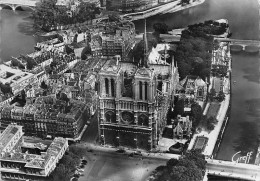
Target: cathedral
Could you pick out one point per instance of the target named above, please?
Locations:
(134, 100)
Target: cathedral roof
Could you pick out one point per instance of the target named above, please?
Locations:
(110, 67)
(144, 72)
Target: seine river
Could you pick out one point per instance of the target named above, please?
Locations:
(243, 15)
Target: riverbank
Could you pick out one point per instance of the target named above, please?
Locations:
(180, 7)
(212, 136)
(170, 7)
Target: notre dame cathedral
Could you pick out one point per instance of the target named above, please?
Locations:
(134, 100)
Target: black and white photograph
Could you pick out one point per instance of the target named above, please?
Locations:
(129, 90)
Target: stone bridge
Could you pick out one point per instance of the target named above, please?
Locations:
(236, 45)
(14, 4)
(233, 170)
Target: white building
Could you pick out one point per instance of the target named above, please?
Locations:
(19, 165)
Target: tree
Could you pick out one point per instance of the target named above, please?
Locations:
(210, 127)
(161, 173)
(190, 173)
(87, 11)
(113, 17)
(196, 113)
(197, 157)
(190, 167)
(68, 161)
(212, 94)
(63, 96)
(48, 15)
(171, 163)
(203, 121)
(61, 173)
(161, 28)
(211, 122)
(45, 14)
(78, 151)
(16, 63)
(5, 88)
(221, 96)
(179, 107)
(43, 85)
(30, 62)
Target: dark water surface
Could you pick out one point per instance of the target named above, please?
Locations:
(16, 32)
(243, 15)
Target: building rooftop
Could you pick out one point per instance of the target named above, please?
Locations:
(11, 75)
(34, 160)
(7, 135)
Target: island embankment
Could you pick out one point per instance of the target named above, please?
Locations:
(169, 7)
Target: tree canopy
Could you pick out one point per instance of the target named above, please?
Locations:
(193, 53)
(179, 108)
(221, 96)
(43, 85)
(48, 15)
(45, 14)
(196, 113)
(5, 88)
(161, 28)
(212, 94)
(67, 164)
(190, 167)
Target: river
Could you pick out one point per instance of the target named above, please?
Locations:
(16, 34)
(243, 15)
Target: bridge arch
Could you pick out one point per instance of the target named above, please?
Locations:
(236, 48)
(24, 8)
(6, 6)
(251, 49)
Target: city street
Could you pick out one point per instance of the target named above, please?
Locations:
(91, 133)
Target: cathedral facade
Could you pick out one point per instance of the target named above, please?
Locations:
(133, 102)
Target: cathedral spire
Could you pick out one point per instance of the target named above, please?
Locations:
(145, 39)
(145, 61)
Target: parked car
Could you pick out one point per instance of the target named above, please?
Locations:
(84, 162)
(138, 153)
(81, 170)
(131, 155)
(76, 175)
(120, 151)
(74, 179)
(177, 148)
